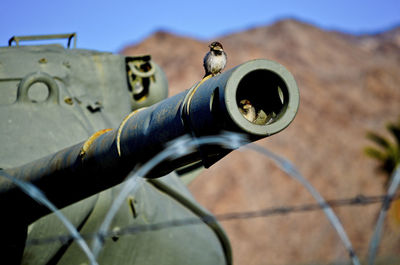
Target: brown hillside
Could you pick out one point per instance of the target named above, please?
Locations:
(348, 85)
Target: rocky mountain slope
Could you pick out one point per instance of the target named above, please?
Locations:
(348, 85)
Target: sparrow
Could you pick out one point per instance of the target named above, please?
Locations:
(215, 60)
(257, 117)
(247, 110)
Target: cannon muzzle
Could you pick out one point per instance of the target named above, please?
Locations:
(213, 105)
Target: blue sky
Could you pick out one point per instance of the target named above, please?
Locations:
(109, 25)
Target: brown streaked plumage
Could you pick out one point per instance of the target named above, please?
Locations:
(215, 60)
(247, 110)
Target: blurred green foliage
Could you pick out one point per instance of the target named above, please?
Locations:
(387, 150)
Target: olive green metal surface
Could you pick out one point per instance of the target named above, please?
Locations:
(64, 128)
(52, 98)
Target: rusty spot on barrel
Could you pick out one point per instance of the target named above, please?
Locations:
(90, 140)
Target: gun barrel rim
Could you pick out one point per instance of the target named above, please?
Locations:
(289, 107)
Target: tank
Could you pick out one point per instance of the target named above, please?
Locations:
(75, 123)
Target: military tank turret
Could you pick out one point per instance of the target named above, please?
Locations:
(76, 122)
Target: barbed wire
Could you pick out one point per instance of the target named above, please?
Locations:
(359, 200)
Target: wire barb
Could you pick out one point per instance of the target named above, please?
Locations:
(359, 200)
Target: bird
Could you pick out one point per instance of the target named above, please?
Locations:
(215, 60)
(247, 110)
(257, 117)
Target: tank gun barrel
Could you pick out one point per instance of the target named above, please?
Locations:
(106, 158)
